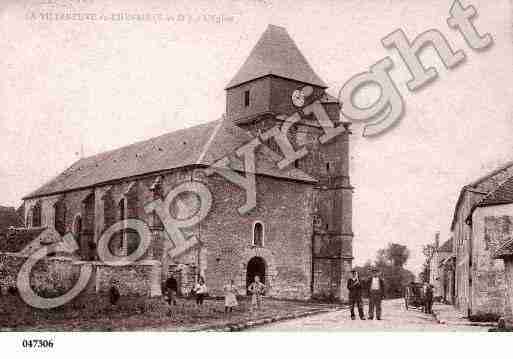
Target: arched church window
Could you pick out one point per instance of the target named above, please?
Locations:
(258, 234)
(88, 213)
(36, 215)
(118, 242)
(246, 98)
(130, 201)
(109, 211)
(121, 209)
(77, 225)
(131, 206)
(60, 217)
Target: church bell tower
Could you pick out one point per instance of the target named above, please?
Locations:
(262, 95)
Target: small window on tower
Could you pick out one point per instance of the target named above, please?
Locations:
(246, 98)
(327, 166)
(258, 234)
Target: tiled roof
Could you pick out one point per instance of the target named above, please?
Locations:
(491, 174)
(501, 195)
(447, 246)
(199, 145)
(9, 217)
(477, 187)
(276, 54)
(505, 250)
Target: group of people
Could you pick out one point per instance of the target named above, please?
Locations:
(256, 290)
(376, 289)
(375, 286)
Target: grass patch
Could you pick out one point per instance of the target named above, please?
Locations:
(96, 313)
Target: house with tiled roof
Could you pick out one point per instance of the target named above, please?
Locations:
(479, 278)
(491, 220)
(298, 237)
(437, 275)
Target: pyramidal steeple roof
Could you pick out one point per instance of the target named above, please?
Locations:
(276, 54)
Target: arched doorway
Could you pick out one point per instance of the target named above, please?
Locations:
(256, 266)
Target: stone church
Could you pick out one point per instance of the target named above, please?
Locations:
(298, 238)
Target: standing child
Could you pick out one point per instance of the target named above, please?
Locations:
(257, 290)
(230, 296)
(201, 291)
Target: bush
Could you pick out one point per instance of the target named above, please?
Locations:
(484, 317)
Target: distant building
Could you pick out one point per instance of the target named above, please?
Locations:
(446, 272)
(433, 264)
(437, 270)
(479, 278)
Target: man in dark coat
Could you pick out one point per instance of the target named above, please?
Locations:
(428, 298)
(171, 290)
(376, 294)
(355, 294)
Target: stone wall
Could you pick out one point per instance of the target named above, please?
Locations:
(462, 234)
(490, 225)
(51, 276)
(508, 310)
(185, 275)
(285, 210)
(55, 276)
(134, 279)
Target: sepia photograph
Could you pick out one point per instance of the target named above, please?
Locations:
(174, 168)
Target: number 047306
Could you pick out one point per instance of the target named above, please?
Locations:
(37, 343)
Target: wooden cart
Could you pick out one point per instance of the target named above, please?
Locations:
(413, 296)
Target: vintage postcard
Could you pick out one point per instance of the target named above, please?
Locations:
(255, 166)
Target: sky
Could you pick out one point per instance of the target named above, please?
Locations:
(79, 87)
